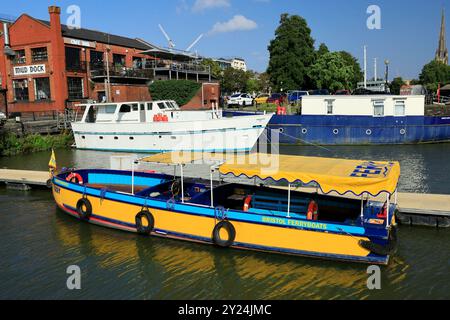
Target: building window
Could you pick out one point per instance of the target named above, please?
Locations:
(73, 60)
(119, 60)
(20, 58)
(330, 105)
(42, 88)
(21, 90)
(400, 108)
(75, 88)
(39, 54)
(378, 108)
(96, 60)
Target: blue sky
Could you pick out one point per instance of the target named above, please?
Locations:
(408, 36)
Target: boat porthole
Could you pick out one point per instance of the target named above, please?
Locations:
(369, 132)
(304, 131)
(402, 132)
(101, 138)
(131, 138)
(281, 130)
(160, 137)
(116, 138)
(335, 131)
(83, 137)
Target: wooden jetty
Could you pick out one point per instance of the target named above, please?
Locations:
(23, 179)
(414, 209)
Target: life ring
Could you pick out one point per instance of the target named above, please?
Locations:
(224, 243)
(84, 209)
(175, 188)
(247, 203)
(313, 211)
(75, 178)
(148, 228)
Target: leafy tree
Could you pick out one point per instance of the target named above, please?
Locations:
(182, 91)
(264, 82)
(234, 80)
(396, 85)
(434, 73)
(291, 54)
(331, 72)
(323, 49)
(350, 60)
(216, 70)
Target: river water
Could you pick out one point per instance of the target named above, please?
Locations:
(39, 242)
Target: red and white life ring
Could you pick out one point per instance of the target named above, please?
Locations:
(75, 178)
(247, 203)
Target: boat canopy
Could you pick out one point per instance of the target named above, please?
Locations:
(331, 175)
(184, 157)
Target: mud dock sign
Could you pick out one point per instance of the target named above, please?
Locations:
(26, 70)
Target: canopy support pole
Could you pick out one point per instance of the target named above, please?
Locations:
(396, 196)
(182, 183)
(132, 177)
(289, 202)
(362, 207)
(387, 209)
(212, 186)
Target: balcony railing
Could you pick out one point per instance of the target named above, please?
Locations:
(148, 71)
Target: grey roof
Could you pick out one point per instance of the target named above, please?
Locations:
(103, 37)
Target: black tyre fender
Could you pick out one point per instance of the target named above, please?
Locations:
(141, 229)
(84, 209)
(49, 184)
(224, 243)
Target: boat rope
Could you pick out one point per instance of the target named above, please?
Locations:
(306, 142)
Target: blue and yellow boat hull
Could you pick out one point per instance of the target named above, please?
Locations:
(184, 221)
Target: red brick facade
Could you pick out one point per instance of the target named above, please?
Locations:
(27, 34)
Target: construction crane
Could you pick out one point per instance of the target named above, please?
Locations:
(195, 42)
(169, 40)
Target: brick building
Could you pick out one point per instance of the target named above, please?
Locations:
(47, 66)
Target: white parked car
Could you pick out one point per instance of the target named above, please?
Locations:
(240, 99)
(2, 116)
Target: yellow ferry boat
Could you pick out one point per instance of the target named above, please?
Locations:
(244, 216)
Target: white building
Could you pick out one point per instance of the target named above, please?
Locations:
(235, 63)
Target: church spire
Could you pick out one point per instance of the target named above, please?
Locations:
(442, 52)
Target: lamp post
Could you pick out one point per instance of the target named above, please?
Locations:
(386, 62)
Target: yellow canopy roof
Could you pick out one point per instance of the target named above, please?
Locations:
(183, 157)
(342, 176)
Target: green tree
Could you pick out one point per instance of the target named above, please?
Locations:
(234, 80)
(396, 85)
(323, 49)
(350, 60)
(291, 54)
(331, 72)
(264, 82)
(434, 73)
(216, 70)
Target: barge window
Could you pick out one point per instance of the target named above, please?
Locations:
(39, 54)
(399, 108)
(330, 105)
(149, 106)
(378, 108)
(161, 105)
(42, 88)
(21, 90)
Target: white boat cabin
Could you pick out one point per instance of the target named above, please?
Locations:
(367, 105)
(143, 112)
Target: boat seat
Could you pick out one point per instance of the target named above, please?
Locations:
(278, 204)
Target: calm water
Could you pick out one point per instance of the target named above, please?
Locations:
(38, 243)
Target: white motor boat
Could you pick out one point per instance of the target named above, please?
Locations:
(160, 126)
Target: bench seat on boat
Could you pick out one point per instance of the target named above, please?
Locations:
(278, 204)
